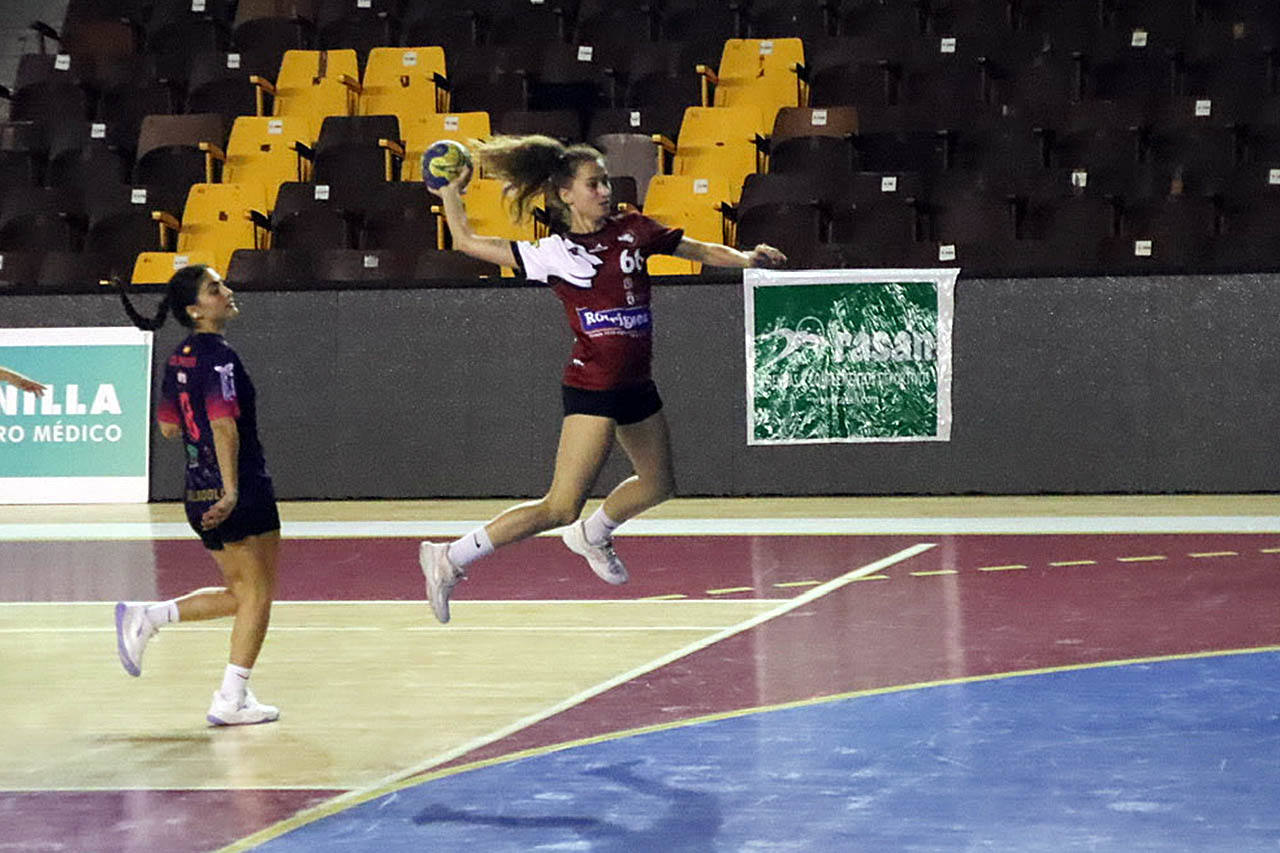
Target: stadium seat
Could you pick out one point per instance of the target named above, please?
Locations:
(694, 204)
(764, 73)
(83, 153)
(404, 82)
(628, 155)
(814, 140)
(419, 135)
(263, 30)
(721, 142)
(312, 216)
(264, 151)
(169, 148)
(42, 219)
(219, 83)
(176, 31)
(795, 228)
(216, 220)
(23, 152)
(399, 217)
(313, 84)
(121, 223)
(357, 154)
(564, 125)
(359, 25)
(48, 89)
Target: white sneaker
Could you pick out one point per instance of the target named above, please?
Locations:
(604, 561)
(133, 630)
(250, 712)
(441, 574)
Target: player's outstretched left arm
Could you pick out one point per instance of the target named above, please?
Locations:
(717, 255)
(13, 377)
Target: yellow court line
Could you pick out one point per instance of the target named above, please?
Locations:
(671, 597)
(934, 573)
(1215, 554)
(1000, 568)
(790, 584)
(730, 589)
(1269, 550)
(1150, 559)
(1075, 563)
(873, 578)
(342, 803)
(410, 775)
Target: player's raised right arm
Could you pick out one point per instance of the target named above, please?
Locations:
(495, 250)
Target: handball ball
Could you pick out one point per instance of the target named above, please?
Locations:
(443, 161)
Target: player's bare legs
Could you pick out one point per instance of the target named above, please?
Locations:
(648, 446)
(585, 442)
(249, 567)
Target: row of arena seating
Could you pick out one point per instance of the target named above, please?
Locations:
(1033, 131)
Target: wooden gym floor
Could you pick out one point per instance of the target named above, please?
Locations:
(1093, 673)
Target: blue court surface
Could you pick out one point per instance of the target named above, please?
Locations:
(1171, 755)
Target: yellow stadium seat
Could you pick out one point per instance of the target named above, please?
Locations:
(487, 211)
(717, 141)
(424, 130)
(313, 84)
(263, 150)
(158, 267)
(691, 203)
(759, 72)
(215, 222)
(402, 81)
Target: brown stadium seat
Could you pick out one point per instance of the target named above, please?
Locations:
(169, 148)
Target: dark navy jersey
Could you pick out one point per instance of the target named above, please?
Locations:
(603, 284)
(203, 381)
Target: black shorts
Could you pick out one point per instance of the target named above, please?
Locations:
(255, 513)
(627, 405)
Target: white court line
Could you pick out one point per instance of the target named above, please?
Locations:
(421, 603)
(351, 798)
(909, 526)
(456, 629)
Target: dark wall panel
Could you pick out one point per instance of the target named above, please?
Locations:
(1060, 385)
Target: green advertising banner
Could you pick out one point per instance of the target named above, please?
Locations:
(86, 439)
(848, 355)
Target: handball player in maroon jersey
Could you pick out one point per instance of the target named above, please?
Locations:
(594, 261)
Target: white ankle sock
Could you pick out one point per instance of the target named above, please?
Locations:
(162, 613)
(470, 548)
(599, 527)
(235, 680)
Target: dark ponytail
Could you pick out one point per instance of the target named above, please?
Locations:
(182, 290)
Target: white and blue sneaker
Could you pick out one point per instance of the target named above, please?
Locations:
(604, 561)
(249, 712)
(133, 630)
(441, 576)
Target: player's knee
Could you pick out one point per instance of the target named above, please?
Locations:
(557, 512)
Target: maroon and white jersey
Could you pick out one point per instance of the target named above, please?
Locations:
(602, 281)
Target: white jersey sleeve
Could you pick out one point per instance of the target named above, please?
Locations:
(559, 257)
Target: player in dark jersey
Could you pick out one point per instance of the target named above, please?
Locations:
(595, 263)
(208, 400)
